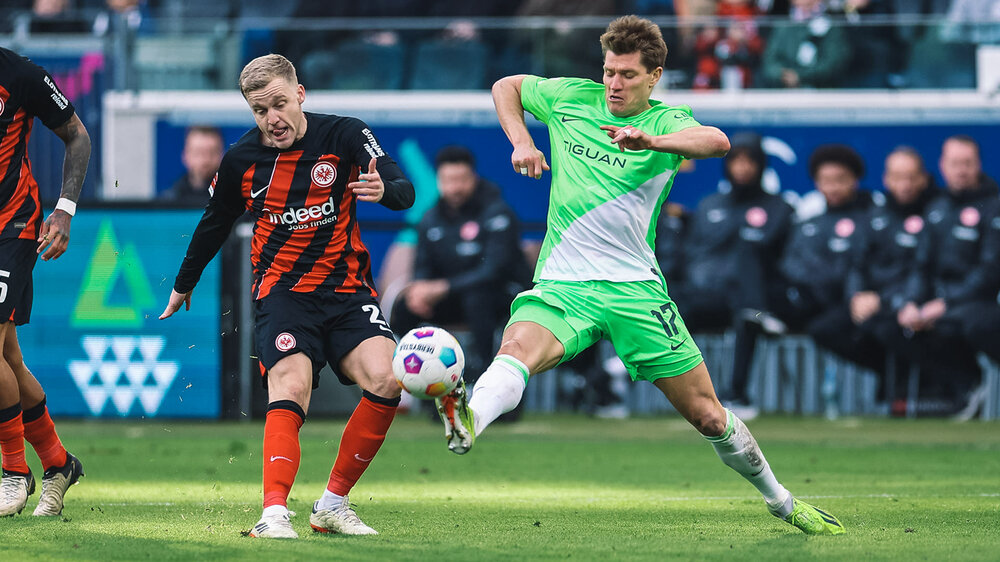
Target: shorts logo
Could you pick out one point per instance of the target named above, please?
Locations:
(284, 341)
(324, 174)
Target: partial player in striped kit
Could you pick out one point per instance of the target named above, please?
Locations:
(28, 91)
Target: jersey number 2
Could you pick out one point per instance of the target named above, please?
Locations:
(374, 317)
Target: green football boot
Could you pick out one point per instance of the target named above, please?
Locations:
(812, 520)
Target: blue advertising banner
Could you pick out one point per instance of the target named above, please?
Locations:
(94, 340)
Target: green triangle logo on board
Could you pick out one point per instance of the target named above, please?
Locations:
(111, 265)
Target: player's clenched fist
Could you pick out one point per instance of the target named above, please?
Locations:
(529, 161)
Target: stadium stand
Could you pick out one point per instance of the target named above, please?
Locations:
(449, 65)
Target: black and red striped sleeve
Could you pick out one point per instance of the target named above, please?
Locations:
(43, 98)
(224, 208)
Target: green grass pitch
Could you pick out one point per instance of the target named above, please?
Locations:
(547, 488)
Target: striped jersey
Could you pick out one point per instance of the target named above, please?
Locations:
(305, 232)
(26, 91)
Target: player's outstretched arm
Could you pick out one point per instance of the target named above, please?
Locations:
(54, 235)
(175, 302)
(526, 159)
(694, 142)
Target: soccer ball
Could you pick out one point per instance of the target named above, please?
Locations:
(428, 362)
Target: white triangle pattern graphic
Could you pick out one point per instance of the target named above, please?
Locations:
(135, 369)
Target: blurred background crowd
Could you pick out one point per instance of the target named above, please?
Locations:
(454, 44)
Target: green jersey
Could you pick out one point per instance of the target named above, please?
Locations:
(604, 203)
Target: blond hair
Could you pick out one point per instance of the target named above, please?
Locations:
(260, 71)
(630, 34)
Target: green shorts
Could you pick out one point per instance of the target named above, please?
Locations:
(637, 317)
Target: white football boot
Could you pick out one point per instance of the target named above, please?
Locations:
(14, 491)
(340, 519)
(55, 482)
(459, 423)
(278, 526)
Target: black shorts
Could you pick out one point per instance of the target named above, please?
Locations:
(323, 324)
(17, 261)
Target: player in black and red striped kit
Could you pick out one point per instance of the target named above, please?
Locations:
(27, 91)
(300, 176)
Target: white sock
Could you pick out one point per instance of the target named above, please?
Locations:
(329, 500)
(275, 510)
(738, 449)
(498, 390)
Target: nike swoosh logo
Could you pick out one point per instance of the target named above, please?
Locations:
(568, 119)
(678, 346)
(276, 457)
(254, 194)
(357, 456)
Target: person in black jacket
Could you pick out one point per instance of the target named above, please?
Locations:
(730, 236)
(202, 155)
(815, 260)
(877, 282)
(955, 280)
(469, 263)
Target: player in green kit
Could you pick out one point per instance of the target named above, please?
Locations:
(615, 153)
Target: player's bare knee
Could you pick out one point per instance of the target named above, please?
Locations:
(511, 347)
(384, 386)
(286, 386)
(709, 421)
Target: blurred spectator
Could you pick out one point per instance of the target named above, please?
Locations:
(566, 50)
(731, 236)
(671, 230)
(807, 51)
(202, 154)
(956, 277)
(132, 15)
(880, 53)
(56, 16)
(877, 285)
(815, 261)
(728, 57)
(469, 263)
(973, 21)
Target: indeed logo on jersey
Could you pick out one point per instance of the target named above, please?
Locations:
(305, 217)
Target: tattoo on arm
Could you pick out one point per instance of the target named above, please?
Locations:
(77, 141)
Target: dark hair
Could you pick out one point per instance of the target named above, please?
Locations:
(630, 34)
(912, 153)
(836, 154)
(964, 139)
(205, 130)
(455, 154)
